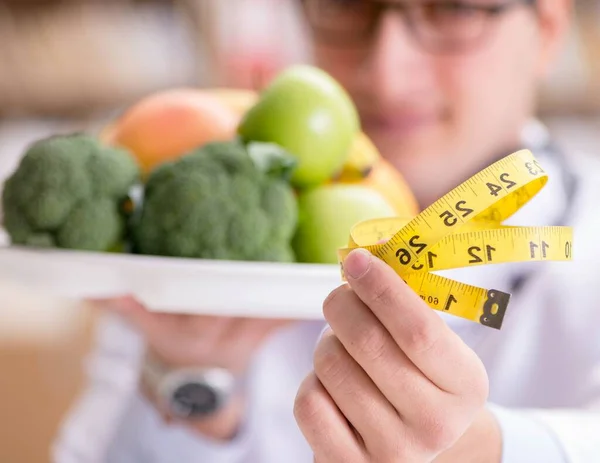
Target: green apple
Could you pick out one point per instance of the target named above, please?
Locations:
(307, 112)
(326, 216)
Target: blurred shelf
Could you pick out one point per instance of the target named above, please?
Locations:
(66, 60)
(574, 84)
(76, 60)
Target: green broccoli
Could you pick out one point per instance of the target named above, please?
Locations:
(69, 191)
(224, 200)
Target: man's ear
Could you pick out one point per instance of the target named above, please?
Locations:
(554, 17)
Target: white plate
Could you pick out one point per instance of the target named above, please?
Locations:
(251, 289)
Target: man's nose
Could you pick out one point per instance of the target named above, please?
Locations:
(396, 67)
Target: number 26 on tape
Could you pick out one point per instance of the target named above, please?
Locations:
(403, 255)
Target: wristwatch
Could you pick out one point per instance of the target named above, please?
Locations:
(189, 393)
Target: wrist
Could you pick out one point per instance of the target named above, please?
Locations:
(223, 425)
(207, 400)
(481, 442)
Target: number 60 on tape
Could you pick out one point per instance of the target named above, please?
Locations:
(463, 229)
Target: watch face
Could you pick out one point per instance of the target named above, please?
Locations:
(194, 399)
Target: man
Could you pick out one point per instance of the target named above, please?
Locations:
(444, 88)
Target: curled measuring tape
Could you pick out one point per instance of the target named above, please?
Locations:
(463, 229)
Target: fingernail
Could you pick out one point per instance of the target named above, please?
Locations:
(357, 263)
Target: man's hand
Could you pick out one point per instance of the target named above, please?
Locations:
(195, 340)
(391, 381)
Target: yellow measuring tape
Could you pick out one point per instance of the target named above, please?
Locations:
(463, 229)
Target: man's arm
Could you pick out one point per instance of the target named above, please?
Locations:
(113, 421)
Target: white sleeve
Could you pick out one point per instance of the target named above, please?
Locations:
(548, 435)
(112, 423)
(143, 436)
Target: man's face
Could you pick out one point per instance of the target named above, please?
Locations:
(439, 117)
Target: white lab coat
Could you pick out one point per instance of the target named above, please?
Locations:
(544, 365)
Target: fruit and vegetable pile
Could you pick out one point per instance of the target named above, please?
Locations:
(280, 175)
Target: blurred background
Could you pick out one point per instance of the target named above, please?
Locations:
(73, 64)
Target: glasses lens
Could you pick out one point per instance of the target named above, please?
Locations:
(343, 22)
(449, 24)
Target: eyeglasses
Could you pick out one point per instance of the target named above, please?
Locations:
(439, 26)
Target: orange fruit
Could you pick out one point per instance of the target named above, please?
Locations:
(167, 124)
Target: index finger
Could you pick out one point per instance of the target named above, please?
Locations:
(421, 333)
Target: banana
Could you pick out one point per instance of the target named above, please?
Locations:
(362, 157)
(367, 167)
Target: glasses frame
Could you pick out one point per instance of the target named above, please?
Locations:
(406, 9)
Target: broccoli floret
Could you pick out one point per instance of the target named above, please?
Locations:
(68, 191)
(223, 200)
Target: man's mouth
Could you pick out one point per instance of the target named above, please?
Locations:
(400, 123)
